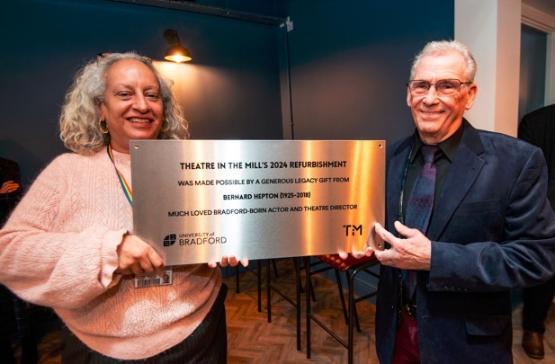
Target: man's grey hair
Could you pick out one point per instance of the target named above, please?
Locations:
(79, 119)
(446, 46)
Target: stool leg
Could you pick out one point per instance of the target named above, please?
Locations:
(274, 265)
(308, 287)
(268, 290)
(237, 279)
(350, 342)
(341, 297)
(357, 322)
(259, 284)
(311, 290)
(298, 300)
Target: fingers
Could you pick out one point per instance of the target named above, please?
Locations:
(385, 256)
(137, 257)
(411, 251)
(12, 187)
(358, 253)
(9, 187)
(124, 272)
(386, 235)
(225, 261)
(155, 259)
(343, 254)
(367, 252)
(404, 230)
(245, 261)
(137, 269)
(231, 261)
(151, 261)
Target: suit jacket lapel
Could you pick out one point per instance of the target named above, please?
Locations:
(466, 166)
(396, 169)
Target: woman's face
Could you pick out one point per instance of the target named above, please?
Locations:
(132, 105)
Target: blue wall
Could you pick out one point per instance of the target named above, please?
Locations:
(351, 62)
(231, 90)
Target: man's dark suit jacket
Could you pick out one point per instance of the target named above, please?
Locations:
(493, 229)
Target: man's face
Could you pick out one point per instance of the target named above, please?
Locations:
(437, 116)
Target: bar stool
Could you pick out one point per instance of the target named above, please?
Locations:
(258, 274)
(295, 303)
(271, 287)
(352, 267)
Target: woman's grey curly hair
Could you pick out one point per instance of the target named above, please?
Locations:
(80, 121)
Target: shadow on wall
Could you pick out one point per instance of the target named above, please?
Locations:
(227, 110)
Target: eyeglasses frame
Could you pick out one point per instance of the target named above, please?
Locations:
(433, 84)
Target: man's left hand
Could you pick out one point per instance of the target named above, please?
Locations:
(412, 251)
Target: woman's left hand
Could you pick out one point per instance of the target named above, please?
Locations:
(231, 261)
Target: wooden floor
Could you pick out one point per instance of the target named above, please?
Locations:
(251, 339)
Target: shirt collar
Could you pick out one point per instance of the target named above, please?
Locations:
(448, 147)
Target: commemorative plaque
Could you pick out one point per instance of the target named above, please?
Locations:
(198, 200)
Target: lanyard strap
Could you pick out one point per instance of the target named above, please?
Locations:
(124, 185)
(401, 216)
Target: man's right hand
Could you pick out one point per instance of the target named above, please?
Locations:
(137, 257)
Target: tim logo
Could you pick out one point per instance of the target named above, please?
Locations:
(170, 239)
(352, 229)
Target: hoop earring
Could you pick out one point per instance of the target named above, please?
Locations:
(103, 126)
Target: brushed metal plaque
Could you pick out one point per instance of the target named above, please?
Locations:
(198, 200)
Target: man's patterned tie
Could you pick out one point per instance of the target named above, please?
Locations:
(419, 206)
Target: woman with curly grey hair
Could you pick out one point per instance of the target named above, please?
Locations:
(69, 244)
(82, 128)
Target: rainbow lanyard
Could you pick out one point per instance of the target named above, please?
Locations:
(124, 185)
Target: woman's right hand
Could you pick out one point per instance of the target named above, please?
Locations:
(137, 257)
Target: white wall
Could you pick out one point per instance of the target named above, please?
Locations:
(491, 28)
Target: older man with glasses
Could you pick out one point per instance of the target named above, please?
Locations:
(467, 221)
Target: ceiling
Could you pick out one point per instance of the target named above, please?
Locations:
(547, 6)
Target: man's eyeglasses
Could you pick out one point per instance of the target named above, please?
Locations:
(447, 87)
